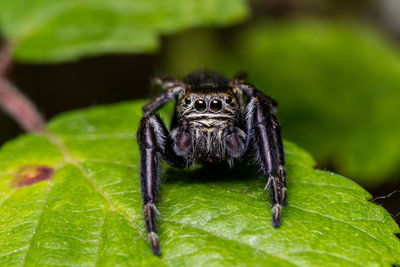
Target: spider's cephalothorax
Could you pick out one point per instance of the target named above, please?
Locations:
(212, 123)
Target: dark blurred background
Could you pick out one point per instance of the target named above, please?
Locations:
(56, 88)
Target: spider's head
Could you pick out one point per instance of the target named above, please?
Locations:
(208, 100)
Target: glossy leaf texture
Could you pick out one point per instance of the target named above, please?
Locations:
(90, 212)
(337, 85)
(48, 31)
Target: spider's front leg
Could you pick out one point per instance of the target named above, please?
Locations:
(171, 87)
(154, 144)
(265, 138)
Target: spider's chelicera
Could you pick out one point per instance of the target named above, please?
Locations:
(215, 120)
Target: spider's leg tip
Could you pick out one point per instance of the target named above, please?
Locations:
(276, 215)
(156, 251)
(276, 224)
(155, 243)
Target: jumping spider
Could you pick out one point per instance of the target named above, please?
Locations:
(212, 122)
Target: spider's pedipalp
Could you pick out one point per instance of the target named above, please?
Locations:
(235, 140)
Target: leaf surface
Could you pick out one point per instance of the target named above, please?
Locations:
(90, 212)
(49, 31)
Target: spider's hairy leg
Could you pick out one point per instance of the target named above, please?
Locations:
(171, 89)
(265, 138)
(251, 91)
(166, 82)
(152, 138)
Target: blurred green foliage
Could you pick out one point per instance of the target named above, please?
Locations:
(337, 84)
(48, 30)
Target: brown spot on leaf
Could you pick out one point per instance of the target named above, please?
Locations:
(31, 174)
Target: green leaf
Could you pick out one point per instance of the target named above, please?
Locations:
(337, 86)
(90, 212)
(48, 31)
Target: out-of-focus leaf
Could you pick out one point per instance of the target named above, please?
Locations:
(47, 30)
(90, 212)
(338, 87)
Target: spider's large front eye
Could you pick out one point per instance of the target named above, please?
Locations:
(200, 105)
(187, 100)
(216, 105)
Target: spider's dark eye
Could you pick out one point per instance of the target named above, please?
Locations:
(228, 100)
(216, 105)
(187, 100)
(200, 105)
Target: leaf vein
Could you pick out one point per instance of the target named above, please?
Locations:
(231, 240)
(341, 221)
(322, 215)
(51, 183)
(326, 253)
(101, 240)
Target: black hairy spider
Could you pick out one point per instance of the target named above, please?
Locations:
(212, 123)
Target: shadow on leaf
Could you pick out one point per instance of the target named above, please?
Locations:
(209, 173)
